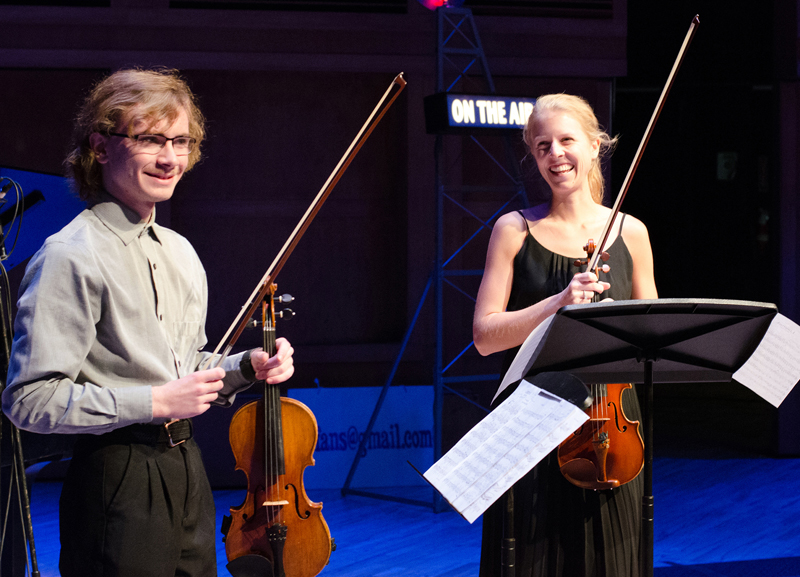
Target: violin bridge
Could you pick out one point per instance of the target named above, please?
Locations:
(280, 503)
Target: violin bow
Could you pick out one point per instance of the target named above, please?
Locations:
(645, 139)
(243, 318)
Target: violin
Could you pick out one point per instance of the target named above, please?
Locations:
(607, 451)
(277, 530)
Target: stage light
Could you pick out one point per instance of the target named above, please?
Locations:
(434, 4)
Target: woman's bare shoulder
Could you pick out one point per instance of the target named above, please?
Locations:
(634, 229)
(513, 220)
(508, 234)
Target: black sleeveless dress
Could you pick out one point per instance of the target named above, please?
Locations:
(562, 530)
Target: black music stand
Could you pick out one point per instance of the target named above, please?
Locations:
(687, 340)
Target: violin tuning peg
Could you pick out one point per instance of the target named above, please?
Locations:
(285, 314)
(252, 324)
(604, 256)
(287, 298)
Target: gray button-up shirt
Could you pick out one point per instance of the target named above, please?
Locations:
(111, 306)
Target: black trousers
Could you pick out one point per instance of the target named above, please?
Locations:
(136, 509)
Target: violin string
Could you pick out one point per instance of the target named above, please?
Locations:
(269, 451)
(269, 428)
(272, 469)
(598, 414)
(602, 389)
(600, 405)
(274, 395)
(280, 456)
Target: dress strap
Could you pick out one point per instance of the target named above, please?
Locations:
(525, 220)
(621, 222)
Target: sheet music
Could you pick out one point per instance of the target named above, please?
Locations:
(517, 369)
(502, 448)
(773, 369)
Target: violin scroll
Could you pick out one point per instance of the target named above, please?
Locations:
(590, 247)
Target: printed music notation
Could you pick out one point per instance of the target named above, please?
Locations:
(773, 369)
(503, 447)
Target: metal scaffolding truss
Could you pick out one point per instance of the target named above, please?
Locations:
(461, 65)
(460, 59)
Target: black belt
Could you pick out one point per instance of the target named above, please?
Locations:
(172, 433)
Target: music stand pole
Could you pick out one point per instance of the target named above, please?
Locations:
(509, 547)
(646, 544)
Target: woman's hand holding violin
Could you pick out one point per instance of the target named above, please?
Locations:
(583, 287)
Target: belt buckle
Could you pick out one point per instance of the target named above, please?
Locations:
(169, 435)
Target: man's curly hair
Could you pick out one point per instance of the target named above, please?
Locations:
(115, 104)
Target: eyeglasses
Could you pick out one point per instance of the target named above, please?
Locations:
(153, 143)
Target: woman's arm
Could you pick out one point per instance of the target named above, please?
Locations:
(495, 329)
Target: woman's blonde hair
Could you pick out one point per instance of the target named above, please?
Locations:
(128, 96)
(579, 109)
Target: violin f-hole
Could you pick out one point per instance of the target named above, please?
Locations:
(622, 428)
(305, 515)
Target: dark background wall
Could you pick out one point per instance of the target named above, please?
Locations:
(285, 86)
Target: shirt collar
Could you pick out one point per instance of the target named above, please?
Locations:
(121, 220)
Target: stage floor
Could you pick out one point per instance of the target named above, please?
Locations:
(713, 517)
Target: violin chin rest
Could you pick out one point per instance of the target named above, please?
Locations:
(250, 566)
(583, 473)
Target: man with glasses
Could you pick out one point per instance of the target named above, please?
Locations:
(107, 339)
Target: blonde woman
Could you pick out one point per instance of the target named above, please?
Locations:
(562, 530)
